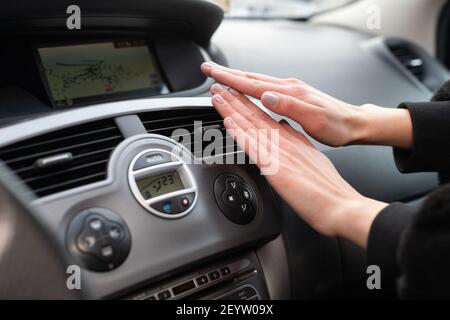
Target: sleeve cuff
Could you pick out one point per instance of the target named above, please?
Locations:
(430, 137)
(384, 238)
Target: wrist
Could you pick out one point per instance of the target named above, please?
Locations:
(356, 219)
(382, 126)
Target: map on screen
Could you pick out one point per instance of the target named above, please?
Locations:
(89, 70)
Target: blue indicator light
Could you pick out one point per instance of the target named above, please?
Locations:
(167, 207)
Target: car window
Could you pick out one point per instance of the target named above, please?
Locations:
(300, 9)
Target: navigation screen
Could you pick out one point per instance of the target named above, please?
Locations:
(90, 70)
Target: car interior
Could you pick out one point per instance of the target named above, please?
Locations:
(88, 172)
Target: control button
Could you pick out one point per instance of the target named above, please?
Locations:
(95, 224)
(175, 205)
(167, 207)
(115, 233)
(246, 194)
(164, 295)
(225, 271)
(107, 252)
(151, 159)
(232, 183)
(235, 198)
(244, 208)
(99, 238)
(231, 198)
(86, 243)
(244, 293)
(214, 275)
(185, 202)
(201, 280)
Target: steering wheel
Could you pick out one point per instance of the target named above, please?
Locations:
(32, 266)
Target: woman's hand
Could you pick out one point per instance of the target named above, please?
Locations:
(304, 177)
(326, 119)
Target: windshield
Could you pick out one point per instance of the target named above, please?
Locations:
(278, 8)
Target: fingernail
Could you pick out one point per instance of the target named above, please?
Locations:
(218, 88)
(210, 64)
(229, 122)
(233, 91)
(218, 99)
(269, 99)
(217, 71)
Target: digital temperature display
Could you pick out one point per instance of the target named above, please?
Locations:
(154, 186)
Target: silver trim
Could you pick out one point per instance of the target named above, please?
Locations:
(182, 169)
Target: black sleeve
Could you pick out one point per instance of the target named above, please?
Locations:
(424, 250)
(384, 239)
(412, 247)
(431, 138)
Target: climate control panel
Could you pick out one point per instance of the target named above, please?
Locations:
(162, 183)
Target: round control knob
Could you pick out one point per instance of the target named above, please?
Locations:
(235, 198)
(100, 238)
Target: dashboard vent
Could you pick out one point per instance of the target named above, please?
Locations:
(64, 159)
(409, 59)
(167, 121)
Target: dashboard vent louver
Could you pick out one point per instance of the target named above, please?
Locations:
(64, 159)
(165, 122)
(408, 58)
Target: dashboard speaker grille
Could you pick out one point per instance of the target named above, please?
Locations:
(166, 122)
(64, 159)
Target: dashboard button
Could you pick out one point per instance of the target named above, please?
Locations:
(231, 198)
(87, 242)
(115, 233)
(167, 207)
(95, 224)
(151, 159)
(214, 275)
(246, 194)
(107, 252)
(175, 205)
(201, 280)
(225, 271)
(99, 238)
(235, 198)
(232, 183)
(164, 295)
(244, 293)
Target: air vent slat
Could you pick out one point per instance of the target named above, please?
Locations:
(69, 148)
(166, 122)
(69, 184)
(88, 146)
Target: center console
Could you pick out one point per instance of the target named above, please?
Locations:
(133, 206)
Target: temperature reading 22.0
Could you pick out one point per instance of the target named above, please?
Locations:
(151, 187)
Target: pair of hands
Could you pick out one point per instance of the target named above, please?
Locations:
(306, 179)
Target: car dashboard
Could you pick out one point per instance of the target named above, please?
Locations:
(142, 210)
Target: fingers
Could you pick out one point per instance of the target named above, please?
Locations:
(207, 67)
(251, 87)
(254, 144)
(287, 105)
(232, 101)
(240, 102)
(295, 133)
